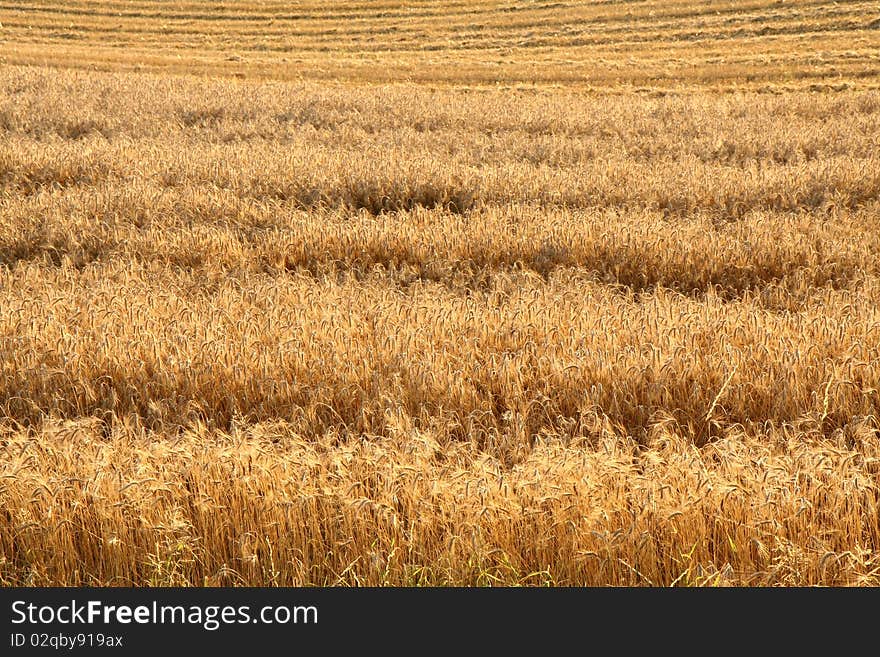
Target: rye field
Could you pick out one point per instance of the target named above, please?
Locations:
(440, 293)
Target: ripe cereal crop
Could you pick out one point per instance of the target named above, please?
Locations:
(485, 293)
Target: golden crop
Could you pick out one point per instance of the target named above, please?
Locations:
(568, 293)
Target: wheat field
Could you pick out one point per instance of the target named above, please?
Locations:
(448, 293)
